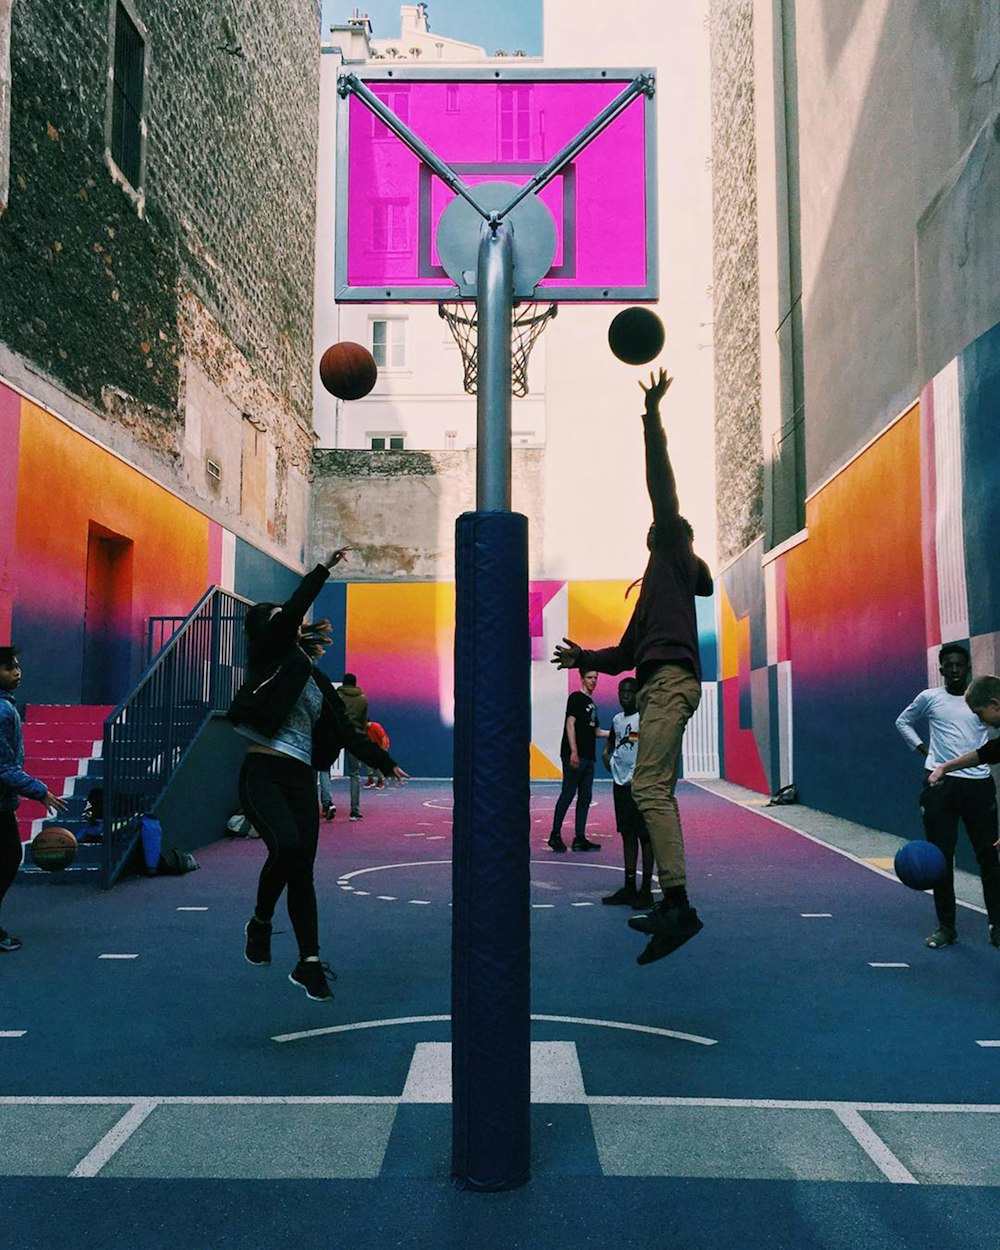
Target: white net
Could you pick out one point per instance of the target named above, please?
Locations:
(529, 321)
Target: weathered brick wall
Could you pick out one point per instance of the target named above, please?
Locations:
(397, 509)
(90, 289)
(739, 461)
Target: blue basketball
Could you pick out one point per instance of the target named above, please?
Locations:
(920, 865)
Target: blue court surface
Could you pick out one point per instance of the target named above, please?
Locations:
(805, 1073)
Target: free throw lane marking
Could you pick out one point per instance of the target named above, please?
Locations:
(874, 1147)
(555, 1074)
(115, 1138)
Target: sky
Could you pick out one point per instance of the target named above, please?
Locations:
(510, 25)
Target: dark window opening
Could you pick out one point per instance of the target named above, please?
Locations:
(127, 88)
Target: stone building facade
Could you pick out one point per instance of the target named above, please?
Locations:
(169, 314)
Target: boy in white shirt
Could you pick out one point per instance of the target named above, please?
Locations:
(619, 757)
(967, 794)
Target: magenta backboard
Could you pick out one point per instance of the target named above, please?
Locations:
(492, 125)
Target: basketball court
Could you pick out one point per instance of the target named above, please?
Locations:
(750, 1067)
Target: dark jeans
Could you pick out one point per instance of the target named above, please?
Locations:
(578, 782)
(972, 800)
(279, 797)
(10, 851)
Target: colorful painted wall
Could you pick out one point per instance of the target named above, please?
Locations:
(97, 547)
(823, 645)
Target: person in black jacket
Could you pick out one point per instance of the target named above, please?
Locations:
(296, 723)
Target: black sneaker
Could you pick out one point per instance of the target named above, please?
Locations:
(258, 947)
(666, 921)
(9, 943)
(625, 897)
(941, 937)
(676, 925)
(643, 900)
(312, 976)
(582, 844)
(556, 843)
(995, 935)
(329, 812)
(356, 816)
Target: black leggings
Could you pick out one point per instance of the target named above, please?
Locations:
(10, 851)
(278, 794)
(973, 801)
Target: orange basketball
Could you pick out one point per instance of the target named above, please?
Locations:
(53, 849)
(348, 370)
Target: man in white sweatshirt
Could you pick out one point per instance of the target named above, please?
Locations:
(967, 794)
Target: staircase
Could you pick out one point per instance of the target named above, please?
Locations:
(62, 747)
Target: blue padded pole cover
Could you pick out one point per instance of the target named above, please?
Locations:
(490, 979)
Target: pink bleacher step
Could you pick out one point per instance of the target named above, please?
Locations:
(59, 740)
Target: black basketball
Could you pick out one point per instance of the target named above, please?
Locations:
(636, 336)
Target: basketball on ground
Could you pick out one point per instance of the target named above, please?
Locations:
(53, 849)
(348, 370)
(636, 336)
(920, 865)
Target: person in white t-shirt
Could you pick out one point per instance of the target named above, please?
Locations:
(619, 757)
(967, 795)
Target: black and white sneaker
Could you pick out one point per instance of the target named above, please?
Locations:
(258, 947)
(356, 816)
(8, 942)
(312, 975)
(584, 844)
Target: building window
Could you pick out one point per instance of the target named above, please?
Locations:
(450, 439)
(390, 226)
(387, 442)
(451, 99)
(127, 90)
(389, 343)
(397, 102)
(515, 123)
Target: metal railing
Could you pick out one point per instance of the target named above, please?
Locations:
(147, 735)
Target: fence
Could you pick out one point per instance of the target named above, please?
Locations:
(145, 738)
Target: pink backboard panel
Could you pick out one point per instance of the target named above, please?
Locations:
(602, 202)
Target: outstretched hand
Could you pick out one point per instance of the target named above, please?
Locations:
(567, 656)
(335, 557)
(654, 392)
(399, 777)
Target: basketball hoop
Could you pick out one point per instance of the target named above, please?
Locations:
(529, 321)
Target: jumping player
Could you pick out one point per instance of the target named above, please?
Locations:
(661, 643)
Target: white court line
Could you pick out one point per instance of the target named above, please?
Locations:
(871, 965)
(387, 898)
(581, 904)
(117, 956)
(192, 909)
(988, 1043)
(416, 863)
(816, 915)
(362, 893)
(874, 1147)
(382, 1024)
(539, 905)
(115, 1138)
(21, 1033)
(420, 902)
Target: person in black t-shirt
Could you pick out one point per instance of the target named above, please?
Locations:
(577, 753)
